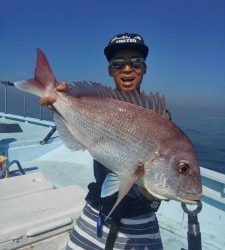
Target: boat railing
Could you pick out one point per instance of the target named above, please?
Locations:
(25, 103)
(48, 136)
(8, 165)
(215, 181)
(26, 113)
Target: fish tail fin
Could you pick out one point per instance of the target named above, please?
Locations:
(44, 82)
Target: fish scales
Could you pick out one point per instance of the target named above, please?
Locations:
(103, 132)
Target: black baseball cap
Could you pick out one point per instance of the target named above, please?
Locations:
(125, 41)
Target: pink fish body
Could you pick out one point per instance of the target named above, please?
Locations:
(119, 129)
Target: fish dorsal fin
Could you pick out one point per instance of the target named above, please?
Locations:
(152, 101)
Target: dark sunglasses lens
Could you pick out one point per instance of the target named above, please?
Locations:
(137, 63)
(117, 64)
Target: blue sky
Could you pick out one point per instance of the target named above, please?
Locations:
(186, 40)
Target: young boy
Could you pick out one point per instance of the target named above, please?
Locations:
(133, 225)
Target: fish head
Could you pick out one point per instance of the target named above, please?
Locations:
(174, 172)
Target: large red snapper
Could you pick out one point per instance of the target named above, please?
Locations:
(119, 129)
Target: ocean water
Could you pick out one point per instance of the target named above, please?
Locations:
(205, 126)
(206, 129)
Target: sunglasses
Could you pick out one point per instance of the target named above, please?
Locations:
(135, 63)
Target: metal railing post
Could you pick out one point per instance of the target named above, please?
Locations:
(6, 99)
(24, 105)
(40, 115)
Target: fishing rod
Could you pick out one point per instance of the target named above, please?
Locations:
(9, 83)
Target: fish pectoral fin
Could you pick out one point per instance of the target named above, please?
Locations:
(66, 133)
(125, 182)
(110, 185)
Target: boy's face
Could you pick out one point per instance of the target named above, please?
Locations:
(127, 74)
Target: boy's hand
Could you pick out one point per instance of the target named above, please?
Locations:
(48, 101)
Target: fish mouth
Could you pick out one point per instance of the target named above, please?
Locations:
(182, 200)
(191, 198)
(191, 202)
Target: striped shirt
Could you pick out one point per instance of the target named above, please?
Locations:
(136, 233)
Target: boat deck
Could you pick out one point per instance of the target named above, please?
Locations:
(64, 168)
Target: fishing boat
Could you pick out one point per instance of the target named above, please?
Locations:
(43, 186)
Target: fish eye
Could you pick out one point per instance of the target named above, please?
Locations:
(183, 167)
